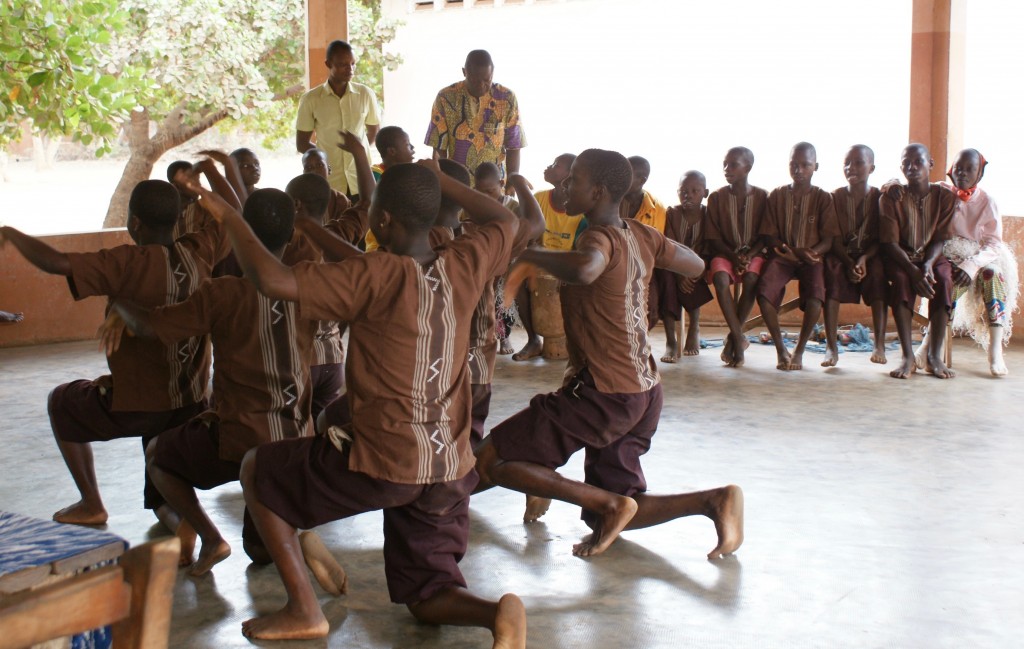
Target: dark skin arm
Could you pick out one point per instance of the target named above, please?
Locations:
(271, 277)
(333, 247)
(532, 216)
(219, 184)
(917, 277)
(232, 175)
(364, 173)
(371, 133)
(512, 158)
(304, 141)
(42, 256)
(723, 250)
(572, 267)
(931, 253)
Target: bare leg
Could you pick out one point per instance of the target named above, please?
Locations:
(812, 309)
(11, 317)
(879, 314)
(904, 319)
(996, 363)
(614, 510)
(506, 618)
(301, 617)
(534, 345)
(692, 346)
(831, 333)
(180, 528)
(724, 506)
(671, 344)
(723, 289)
(325, 568)
(89, 510)
(743, 309)
(182, 497)
(771, 320)
(937, 322)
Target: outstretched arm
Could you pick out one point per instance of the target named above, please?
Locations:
(136, 318)
(261, 267)
(684, 261)
(232, 179)
(334, 247)
(42, 256)
(572, 267)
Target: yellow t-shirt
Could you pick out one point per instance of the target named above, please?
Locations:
(651, 213)
(559, 227)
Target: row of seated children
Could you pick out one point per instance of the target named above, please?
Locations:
(400, 440)
(886, 247)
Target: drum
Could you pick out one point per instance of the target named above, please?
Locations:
(547, 316)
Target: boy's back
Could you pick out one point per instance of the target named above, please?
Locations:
(408, 382)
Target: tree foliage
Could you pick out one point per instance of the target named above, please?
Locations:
(369, 33)
(57, 70)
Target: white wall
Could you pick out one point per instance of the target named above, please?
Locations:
(678, 82)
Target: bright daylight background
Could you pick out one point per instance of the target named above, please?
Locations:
(677, 81)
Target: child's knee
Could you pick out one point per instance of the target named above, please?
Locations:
(247, 473)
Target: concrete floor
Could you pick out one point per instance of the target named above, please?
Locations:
(880, 513)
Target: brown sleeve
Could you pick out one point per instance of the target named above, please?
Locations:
(833, 226)
(888, 221)
(769, 223)
(193, 317)
(350, 226)
(826, 215)
(209, 243)
(338, 291)
(711, 227)
(299, 249)
(100, 273)
(872, 214)
(947, 207)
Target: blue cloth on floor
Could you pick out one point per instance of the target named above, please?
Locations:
(860, 341)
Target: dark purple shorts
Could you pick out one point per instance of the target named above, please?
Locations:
(615, 430)
(307, 483)
(902, 291)
(481, 408)
(80, 412)
(667, 300)
(778, 272)
(873, 288)
(328, 381)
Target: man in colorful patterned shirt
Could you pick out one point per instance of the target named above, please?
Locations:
(477, 120)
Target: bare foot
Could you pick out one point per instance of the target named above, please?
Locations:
(531, 349)
(505, 347)
(535, 508)
(796, 362)
(671, 357)
(510, 623)
(287, 625)
(878, 356)
(739, 347)
(81, 514)
(325, 568)
(187, 536)
(210, 554)
(11, 317)
(939, 369)
(831, 358)
(612, 523)
(784, 360)
(906, 368)
(692, 346)
(728, 518)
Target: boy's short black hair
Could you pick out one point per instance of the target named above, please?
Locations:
(804, 146)
(868, 151)
(747, 154)
(237, 153)
(387, 137)
(459, 173)
(411, 194)
(918, 145)
(155, 203)
(314, 191)
(271, 215)
(693, 173)
(487, 171)
(334, 47)
(609, 169)
(175, 167)
(314, 152)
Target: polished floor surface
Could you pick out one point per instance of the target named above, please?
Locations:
(879, 513)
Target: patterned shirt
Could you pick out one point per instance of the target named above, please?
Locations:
(856, 223)
(915, 222)
(409, 330)
(471, 130)
(726, 223)
(606, 321)
(798, 223)
(261, 390)
(690, 235)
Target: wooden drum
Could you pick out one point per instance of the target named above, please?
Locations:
(547, 316)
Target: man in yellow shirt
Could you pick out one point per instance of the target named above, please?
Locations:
(340, 104)
(639, 204)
